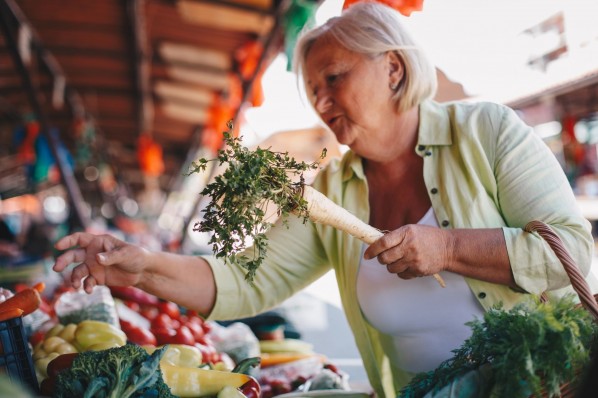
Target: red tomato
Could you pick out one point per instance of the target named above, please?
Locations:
(165, 321)
(163, 335)
(37, 337)
(132, 305)
(148, 312)
(138, 335)
(182, 335)
(196, 330)
(208, 353)
(169, 308)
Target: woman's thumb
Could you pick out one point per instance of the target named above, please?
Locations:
(102, 258)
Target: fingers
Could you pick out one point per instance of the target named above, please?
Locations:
(390, 240)
(89, 283)
(69, 257)
(77, 239)
(80, 272)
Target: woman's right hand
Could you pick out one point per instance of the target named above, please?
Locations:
(102, 260)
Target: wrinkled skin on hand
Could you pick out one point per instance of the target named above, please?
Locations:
(413, 250)
(102, 259)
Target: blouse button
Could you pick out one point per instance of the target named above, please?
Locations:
(445, 223)
(428, 153)
(482, 295)
(421, 147)
(434, 190)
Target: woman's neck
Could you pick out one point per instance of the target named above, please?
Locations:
(398, 154)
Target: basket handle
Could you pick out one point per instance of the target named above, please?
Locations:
(578, 282)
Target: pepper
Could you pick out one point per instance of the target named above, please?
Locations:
(91, 332)
(179, 355)
(251, 389)
(196, 382)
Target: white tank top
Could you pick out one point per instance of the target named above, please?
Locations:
(420, 322)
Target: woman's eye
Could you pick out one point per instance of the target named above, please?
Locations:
(330, 79)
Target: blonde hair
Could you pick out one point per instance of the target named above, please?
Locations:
(372, 29)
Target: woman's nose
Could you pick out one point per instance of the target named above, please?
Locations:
(323, 101)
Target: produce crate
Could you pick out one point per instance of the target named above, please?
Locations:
(15, 357)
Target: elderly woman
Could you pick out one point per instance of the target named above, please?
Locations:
(453, 184)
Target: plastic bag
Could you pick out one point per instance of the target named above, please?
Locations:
(74, 307)
(237, 340)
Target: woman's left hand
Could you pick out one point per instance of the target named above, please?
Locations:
(413, 251)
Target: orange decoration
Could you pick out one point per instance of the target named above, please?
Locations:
(248, 57)
(149, 154)
(405, 7)
(26, 151)
(219, 114)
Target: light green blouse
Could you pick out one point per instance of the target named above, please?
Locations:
(483, 167)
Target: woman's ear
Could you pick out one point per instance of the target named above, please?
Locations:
(396, 69)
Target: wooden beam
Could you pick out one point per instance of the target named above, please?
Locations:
(224, 17)
(176, 53)
(191, 114)
(142, 66)
(197, 95)
(249, 4)
(210, 79)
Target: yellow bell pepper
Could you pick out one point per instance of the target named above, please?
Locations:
(91, 332)
(195, 382)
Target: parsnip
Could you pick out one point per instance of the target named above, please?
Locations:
(323, 210)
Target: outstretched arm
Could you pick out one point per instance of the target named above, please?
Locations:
(106, 260)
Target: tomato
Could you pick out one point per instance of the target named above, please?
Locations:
(169, 308)
(207, 352)
(37, 337)
(163, 335)
(165, 321)
(133, 305)
(196, 330)
(182, 335)
(148, 312)
(138, 335)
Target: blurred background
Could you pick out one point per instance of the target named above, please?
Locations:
(104, 105)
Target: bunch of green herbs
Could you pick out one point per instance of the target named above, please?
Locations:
(535, 346)
(237, 212)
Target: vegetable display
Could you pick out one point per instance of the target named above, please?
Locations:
(253, 179)
(530, 347)
(127, 371)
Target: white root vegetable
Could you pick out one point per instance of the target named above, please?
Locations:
(324, 211)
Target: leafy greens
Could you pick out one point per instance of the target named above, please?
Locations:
(239, 196)
(533, 346)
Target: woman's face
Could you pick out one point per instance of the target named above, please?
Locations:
(351, 93)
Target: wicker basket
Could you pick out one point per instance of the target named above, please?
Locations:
(588, 301)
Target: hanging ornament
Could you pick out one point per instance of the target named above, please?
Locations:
(219, 114)
(26, 141)
(405, 7)
(149, 154)
(248, 57)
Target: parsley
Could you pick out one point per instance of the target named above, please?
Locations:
(530, 347)
(236, 214)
